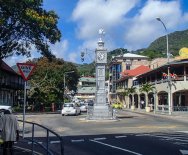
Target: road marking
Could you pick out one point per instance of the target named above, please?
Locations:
(103, 138)
(116, 147)
(184, 152)
(182, 131)
(54, 142)
(143, 135)
(27, 150)
(77, 140)
(179, 143)
(35, 142)
(120, 136)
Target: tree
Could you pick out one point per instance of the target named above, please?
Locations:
(24, 24)
(47, 79)
(147, 88)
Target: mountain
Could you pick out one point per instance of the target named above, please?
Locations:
(176, 41)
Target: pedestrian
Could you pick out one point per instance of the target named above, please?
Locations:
(142, 104)
(10, 131)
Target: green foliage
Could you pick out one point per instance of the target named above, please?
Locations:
(47, 81)
(24, 24)
(86, 69)
(152, 54)
(118, 51)
(147, 88)
(177, 40)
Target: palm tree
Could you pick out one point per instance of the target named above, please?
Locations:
(146, 88)
(128, 91)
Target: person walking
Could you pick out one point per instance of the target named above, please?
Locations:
(10, 131)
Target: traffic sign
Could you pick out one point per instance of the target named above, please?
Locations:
(25, 70)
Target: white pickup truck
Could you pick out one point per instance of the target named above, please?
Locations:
(5, 107)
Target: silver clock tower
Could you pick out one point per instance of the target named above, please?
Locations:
(101, 109)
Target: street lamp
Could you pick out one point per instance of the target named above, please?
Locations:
(168, 58)
(65, 73)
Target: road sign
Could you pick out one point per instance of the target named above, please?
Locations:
(25, 70)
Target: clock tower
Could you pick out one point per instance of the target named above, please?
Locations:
(101, 109)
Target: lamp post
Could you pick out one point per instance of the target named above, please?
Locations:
(65, 73)
(168, 58)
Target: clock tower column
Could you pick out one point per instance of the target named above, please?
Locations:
(101, 109)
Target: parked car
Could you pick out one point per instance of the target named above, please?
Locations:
(90, 103)
(5, 107)
(83, 107)
(70, 109)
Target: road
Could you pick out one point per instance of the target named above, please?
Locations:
(132, 133)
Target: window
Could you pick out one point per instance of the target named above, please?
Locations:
(128, 67)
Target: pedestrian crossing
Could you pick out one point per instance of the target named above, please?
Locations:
(178, 138)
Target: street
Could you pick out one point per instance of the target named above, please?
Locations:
(133, 134)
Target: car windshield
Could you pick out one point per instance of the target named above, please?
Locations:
(68, 105)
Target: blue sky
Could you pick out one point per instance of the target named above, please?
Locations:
(129, 24)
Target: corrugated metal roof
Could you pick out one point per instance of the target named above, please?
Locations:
(86, 90)
(4, 66)
(87, 79)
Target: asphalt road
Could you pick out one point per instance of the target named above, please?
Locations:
(132, 133)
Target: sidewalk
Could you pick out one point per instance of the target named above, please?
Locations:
(22, 148)
(181, 117)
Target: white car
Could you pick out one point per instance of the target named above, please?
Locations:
(83, 107)
(5, 107)
(70, 109)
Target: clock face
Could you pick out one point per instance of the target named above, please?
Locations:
(100, 56)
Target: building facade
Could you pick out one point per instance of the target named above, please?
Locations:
(119, 64)
(10, 85)
(86, 88)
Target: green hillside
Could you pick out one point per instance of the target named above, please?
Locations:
(177, 40)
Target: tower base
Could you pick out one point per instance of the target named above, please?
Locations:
(100, 112)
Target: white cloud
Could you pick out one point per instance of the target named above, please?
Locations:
(92, 15)
(144, 28)
(60, 48)
(72, 57)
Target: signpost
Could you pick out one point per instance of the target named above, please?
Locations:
(25, 71)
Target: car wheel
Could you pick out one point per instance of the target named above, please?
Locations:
(63, 115)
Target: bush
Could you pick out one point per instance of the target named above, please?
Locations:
(117, 105)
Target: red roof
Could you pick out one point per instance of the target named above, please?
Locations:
(4, 66)
(137, 71)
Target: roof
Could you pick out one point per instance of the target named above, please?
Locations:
(5, 67)
(87, 79)
(86, 90)
(173, 63)
(137, 71)
(131, 55)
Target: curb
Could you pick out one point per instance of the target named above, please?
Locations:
(170, 117)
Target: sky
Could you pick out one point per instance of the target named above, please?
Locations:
(129, 24)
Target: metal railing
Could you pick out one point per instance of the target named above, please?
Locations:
(33, 140)
(180, 108)
(162, 108)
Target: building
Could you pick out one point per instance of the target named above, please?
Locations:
(122, 63)
(173, 90)
(126, 82)
(86, 88)
(10, 85)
